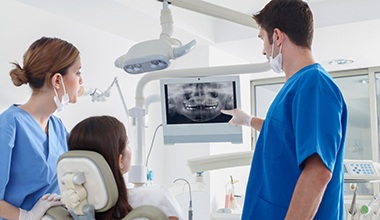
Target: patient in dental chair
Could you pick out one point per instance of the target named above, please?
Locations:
(107, 136)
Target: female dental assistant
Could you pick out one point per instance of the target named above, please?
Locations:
(31, 137)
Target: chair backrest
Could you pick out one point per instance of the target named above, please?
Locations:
(87, 186)
(86, 179)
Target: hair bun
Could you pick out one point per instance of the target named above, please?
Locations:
(18, 75)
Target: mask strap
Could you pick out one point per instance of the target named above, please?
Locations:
(64, 89)
(63, 84)
(55, 91)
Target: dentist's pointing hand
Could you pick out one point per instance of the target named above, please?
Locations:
(238, 117)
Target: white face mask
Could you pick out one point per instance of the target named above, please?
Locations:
(276, 62)
(61, 105)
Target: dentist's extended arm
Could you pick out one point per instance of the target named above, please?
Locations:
(309, 189)
(10, 212)
(241, 118)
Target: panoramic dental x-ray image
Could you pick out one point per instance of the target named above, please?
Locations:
(199, 102)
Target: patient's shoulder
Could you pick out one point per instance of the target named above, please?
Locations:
(156, 189)
(152, 194)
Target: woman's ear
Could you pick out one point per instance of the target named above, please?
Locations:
(56, 80)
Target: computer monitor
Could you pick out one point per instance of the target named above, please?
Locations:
(191, 109)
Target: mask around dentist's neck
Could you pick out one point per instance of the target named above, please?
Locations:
(276, 62)
(63, 104)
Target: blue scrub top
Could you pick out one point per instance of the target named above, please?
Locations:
(28, 157)
(308, 116)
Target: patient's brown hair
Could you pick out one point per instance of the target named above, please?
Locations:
(107, 136)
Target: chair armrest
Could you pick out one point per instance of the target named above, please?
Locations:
(57, 213)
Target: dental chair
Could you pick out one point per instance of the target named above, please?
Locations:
(88, 186)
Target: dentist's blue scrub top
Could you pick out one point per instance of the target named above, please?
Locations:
(308, 116)
(28, 157)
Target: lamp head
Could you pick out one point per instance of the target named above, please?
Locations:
(145, 56)
(151, 55)
(155, 55)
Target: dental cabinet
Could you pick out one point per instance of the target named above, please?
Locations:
(361, 91)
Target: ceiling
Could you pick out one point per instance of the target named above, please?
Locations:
(138, 20)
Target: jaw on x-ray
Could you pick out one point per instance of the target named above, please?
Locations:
(199, 102)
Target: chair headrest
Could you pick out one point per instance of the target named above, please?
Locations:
(85, 177)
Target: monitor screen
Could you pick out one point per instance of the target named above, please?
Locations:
(191, 109)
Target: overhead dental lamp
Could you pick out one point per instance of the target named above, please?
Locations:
(155, 54)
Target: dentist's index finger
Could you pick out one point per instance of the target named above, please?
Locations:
(227, 112)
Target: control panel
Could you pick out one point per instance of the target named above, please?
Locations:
(356, 171)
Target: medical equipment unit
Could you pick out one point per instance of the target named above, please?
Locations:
(361, 171)
(137, 174)
(361, 89)
(191, 109)
(88, 186)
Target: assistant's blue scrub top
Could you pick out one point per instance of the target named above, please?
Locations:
(28, 157)
(308, 116)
